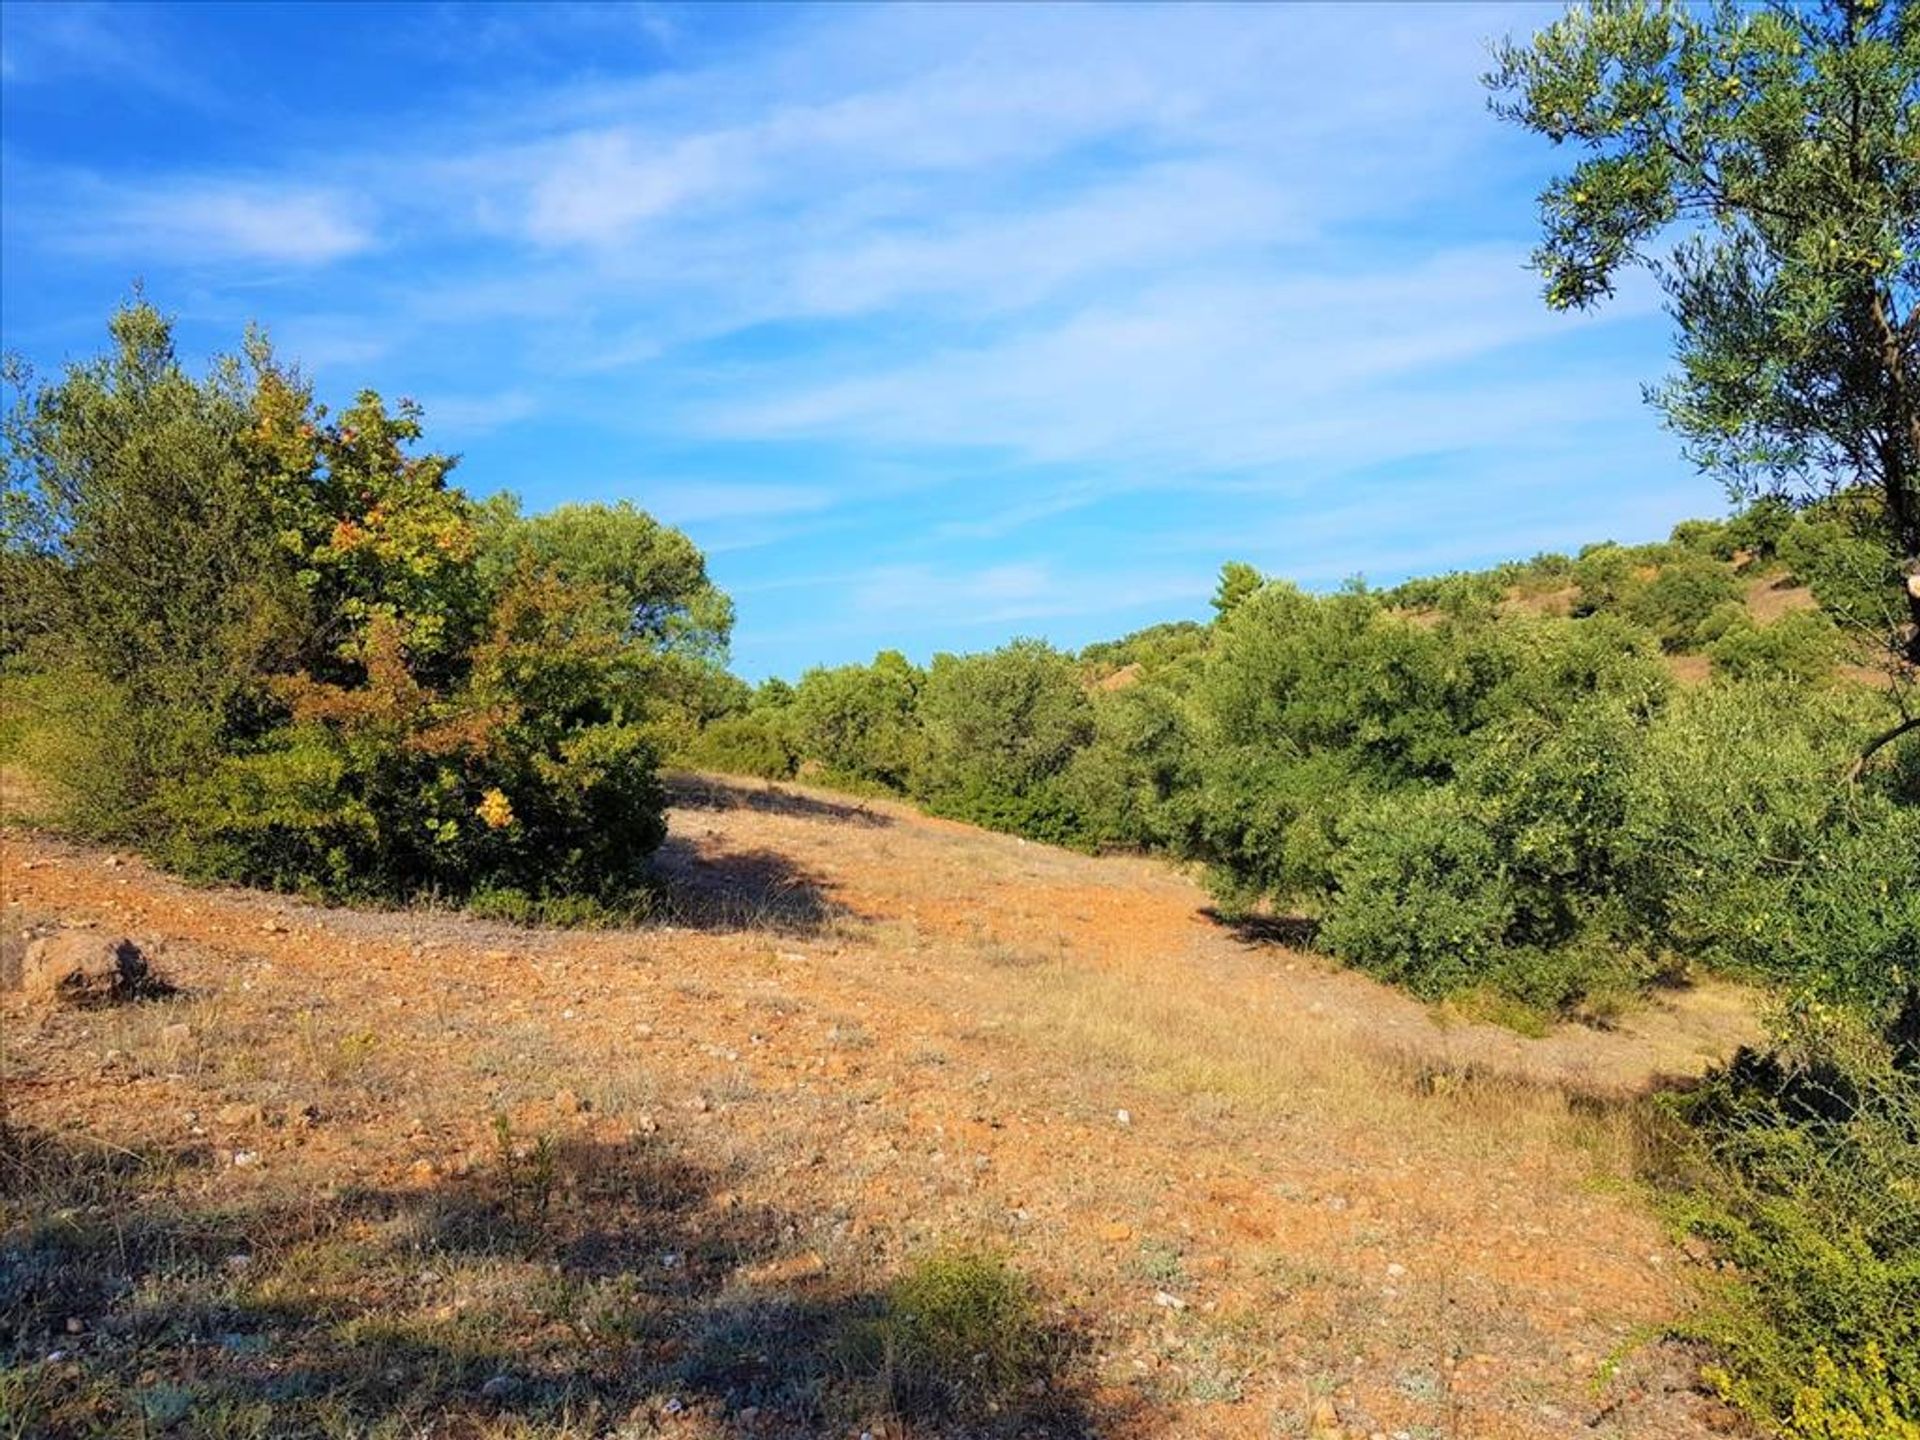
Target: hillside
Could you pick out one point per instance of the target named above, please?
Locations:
(1257, 1195)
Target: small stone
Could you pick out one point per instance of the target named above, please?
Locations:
(1167, 1300)
(75, 1325)
(1395, 1271)
(500, 1388)
(246, 1158)
(273, 927)
(1123, 1117)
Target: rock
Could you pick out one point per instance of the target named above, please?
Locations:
(1167, 1300)
(239, 1114)
(500, 1388)
(75, 968)
(1123, 1117)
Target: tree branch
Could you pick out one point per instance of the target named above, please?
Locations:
(1879, 743)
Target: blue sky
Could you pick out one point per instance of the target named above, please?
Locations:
(934, 326)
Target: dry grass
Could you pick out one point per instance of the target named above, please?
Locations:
(668, 1179)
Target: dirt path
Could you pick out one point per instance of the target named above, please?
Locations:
(1263, 1196)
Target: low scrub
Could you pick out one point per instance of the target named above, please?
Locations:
(1798, 1168)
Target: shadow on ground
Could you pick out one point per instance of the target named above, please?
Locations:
(568, 1287)
(1296, 932)
(715, 792)
(709, 886)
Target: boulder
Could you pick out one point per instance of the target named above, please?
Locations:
(79, 967)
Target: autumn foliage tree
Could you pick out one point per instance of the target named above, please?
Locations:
(280, 645)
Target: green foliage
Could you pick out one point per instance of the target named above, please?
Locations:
(1741, 848)
(1000, 730)
(282, 648)
(1798, 1166)
(1238, 580)
(755, 743)
(1605, 577)
(1119, 785)
(1833, 553)
(1421, 901)
(858, 721)
(1675, 603)
(961, 1334)
(1756, 529)
(1801, 646)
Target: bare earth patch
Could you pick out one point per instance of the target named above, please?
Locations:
(416, 1168)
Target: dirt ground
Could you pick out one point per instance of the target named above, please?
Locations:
(411, 1173)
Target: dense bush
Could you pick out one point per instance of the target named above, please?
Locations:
(1799, 1167)
(1000, 731)
(1802, 645)
(1675, 602)
(858, 721)
(282, 647)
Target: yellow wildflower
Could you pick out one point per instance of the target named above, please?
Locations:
(495, 810)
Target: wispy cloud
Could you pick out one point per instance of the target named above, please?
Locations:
(208, 221)
(58, 44)
(975, 316)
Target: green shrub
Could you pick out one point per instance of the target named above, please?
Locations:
(1000, 730)
(1757, 529)
(960, 1335)
(1421, 898)
(858, 721)
(281, 648)
(1849, 569)
(1675, 602)
(1605, 578)
(1799, 1167)
(756, 743)
(1801, 646)
(1740, 846)
(1118, 786)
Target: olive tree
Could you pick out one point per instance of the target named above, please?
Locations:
(1764, 164)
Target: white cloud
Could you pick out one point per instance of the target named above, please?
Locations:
(201, 221)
